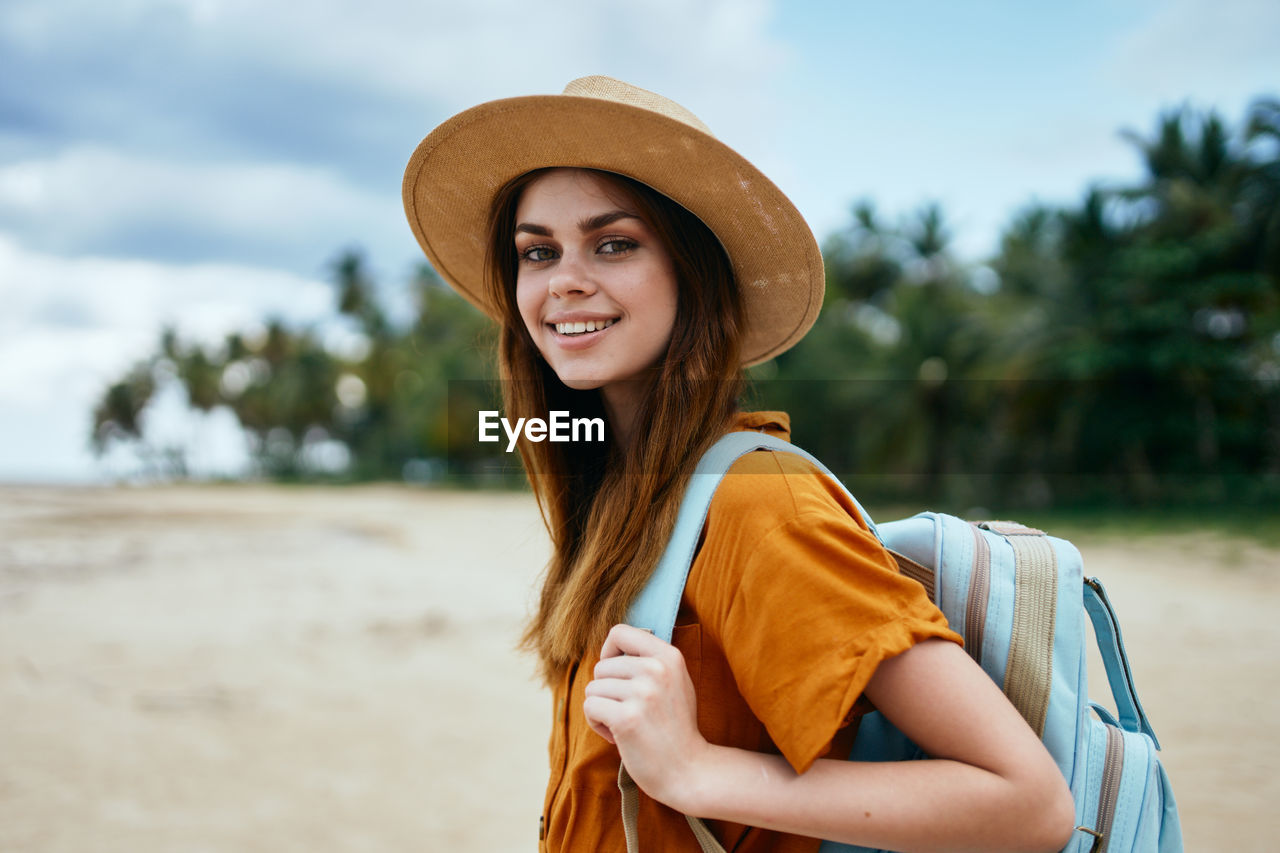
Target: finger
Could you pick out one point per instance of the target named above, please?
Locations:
(629, 640)
(603, 731)
(620, 689)
(627, 666)
(600, 712)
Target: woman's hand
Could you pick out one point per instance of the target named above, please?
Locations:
(642, 700)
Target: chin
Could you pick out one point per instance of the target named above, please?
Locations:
(581, 383)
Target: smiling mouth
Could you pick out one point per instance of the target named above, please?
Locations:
(583, 327)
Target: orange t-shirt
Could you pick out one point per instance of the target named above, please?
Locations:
(790, 605)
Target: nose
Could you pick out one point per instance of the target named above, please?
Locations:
(570, 278)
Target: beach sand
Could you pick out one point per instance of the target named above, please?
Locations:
(260, 668)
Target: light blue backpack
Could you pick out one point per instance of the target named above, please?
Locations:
(1019, 598)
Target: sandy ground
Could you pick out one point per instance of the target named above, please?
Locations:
(270, 669)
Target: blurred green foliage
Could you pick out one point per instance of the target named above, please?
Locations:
(1123, 350)
(378, 397)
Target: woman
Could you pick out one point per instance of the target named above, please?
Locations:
(635, 264)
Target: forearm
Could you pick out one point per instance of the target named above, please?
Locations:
(994, 786)
(931, 805)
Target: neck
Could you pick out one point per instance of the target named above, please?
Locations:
(622, 405)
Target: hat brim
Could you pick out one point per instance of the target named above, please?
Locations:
(457, 170)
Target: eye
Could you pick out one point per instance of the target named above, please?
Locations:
(616, 246)
(537, 254)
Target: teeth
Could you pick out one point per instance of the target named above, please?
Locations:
(581, 327)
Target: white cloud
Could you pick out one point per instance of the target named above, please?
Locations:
(88, 196)
(190, 130)
(448, 52)
(71, 326)
(1208, 50)
(131, 299)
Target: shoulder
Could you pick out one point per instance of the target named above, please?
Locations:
(775, 518)
(766, 488)
(800, 598)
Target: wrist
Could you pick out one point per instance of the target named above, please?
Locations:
(690, 789)
(726, 783)
(707, 787)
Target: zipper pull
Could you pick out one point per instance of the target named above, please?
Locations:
(1097, 837)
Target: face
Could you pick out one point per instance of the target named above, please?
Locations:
(595, 286)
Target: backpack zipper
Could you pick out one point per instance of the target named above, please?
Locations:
(975, 617)
(1111, 769)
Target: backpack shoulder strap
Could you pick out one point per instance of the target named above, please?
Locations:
(1106, 628)
(655, 608)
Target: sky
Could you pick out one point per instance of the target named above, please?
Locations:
(200, 163)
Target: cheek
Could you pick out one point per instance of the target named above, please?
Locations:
(529, 301)
(669, 301)
(663, 317)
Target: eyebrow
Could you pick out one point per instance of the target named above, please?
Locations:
(591, 223)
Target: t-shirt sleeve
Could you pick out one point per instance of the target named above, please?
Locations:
(803, 600)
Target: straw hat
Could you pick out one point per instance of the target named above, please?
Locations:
(602, 123)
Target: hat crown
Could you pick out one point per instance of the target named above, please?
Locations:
(609, 89)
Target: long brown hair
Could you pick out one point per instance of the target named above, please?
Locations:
(610, 509)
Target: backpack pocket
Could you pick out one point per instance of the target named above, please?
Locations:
(1124, 802)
